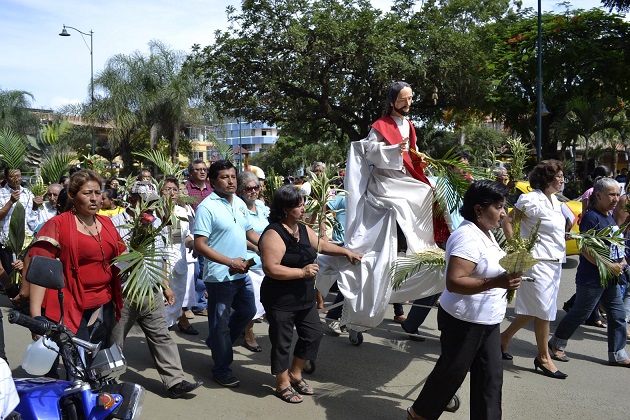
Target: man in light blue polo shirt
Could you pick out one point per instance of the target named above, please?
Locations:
(222, 228)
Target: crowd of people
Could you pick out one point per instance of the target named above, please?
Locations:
(236, 259)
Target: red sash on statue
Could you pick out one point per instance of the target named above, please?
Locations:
(391, 134)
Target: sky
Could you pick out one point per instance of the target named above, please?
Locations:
(56, 70)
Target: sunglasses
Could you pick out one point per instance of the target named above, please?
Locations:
(250, 189)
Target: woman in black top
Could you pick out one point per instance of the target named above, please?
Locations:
(288, 251)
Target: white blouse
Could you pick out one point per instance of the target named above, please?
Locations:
(488, 307)
(536, 206)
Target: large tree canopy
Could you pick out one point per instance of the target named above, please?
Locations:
(139, 92)
(585, 54)
(325, 64)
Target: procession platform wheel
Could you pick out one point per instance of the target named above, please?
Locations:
(356, 338)
(309, 367)
(454, 404)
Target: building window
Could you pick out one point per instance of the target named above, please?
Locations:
(197, 155)
(264, 133)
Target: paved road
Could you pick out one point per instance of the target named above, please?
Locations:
(378, 379)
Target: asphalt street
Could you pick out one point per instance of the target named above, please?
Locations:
(376, 380)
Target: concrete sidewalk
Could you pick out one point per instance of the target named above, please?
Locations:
(376, 380)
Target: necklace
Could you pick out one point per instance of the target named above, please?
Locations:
(97, 238)
(294, 233)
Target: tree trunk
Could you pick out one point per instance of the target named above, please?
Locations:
(175, 143)
(585, 160)
(153, 136)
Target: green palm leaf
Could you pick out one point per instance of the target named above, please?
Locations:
(597, 243)
(12, 148)
(407, 266)
(55, 163)
(162, 162)
(17, 231)
(450, 186)
(145, 272)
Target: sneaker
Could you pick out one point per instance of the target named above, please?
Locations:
(334, 326)
(182, 388)
(228, 381)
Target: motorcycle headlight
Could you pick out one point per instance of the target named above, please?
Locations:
(107, 363)
(133, 398)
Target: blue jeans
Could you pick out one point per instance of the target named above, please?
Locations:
(200, 286)
(586, 299)
(224, 328)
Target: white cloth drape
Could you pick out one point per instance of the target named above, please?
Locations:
(380, 194)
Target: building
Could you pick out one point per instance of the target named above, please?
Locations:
(253, 137)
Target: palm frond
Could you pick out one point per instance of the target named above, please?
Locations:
(144, 269)
(597, 244)
(38, 188)
(144, 264)
(519, 151)
(12, 148)
(452, 179)
(162, 162)
(405, 267)
(272, 183)
(17, 230)
(55, 164)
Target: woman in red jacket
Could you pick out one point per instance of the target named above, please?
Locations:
(86, 244)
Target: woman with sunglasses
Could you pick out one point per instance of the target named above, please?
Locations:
(248, 188)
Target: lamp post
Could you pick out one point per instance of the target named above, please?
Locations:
(240, 145)
(542, 109)
(91, 48)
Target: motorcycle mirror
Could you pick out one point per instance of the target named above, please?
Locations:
(45, 272)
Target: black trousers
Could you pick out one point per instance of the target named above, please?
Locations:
(309, 330)
(465, 346)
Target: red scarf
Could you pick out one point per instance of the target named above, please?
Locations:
(391, 134)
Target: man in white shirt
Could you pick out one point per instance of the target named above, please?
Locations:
(49, 209)
(10, 194)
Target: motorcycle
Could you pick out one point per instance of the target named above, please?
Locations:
(92, 392)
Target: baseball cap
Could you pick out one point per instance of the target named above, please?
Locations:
(146, 190)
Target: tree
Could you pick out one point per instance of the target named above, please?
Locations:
(586, 117)
(139, 91)
(15, 113)
(585, 53)
(621, 6)
(322, 64)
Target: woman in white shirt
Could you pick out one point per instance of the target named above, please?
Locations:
(537, 300)
(471, 310)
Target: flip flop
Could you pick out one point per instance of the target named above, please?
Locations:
(292, 393)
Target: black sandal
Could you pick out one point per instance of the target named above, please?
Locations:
(302, 387)
(292, 393)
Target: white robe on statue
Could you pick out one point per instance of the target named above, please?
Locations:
(380, 193)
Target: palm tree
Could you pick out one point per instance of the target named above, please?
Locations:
(585, 118)
(138, 91)
(15, 113)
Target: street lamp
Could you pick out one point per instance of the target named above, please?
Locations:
(91, 48)
(542, 109)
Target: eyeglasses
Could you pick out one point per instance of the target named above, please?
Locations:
(250, 189)
(200, 169)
